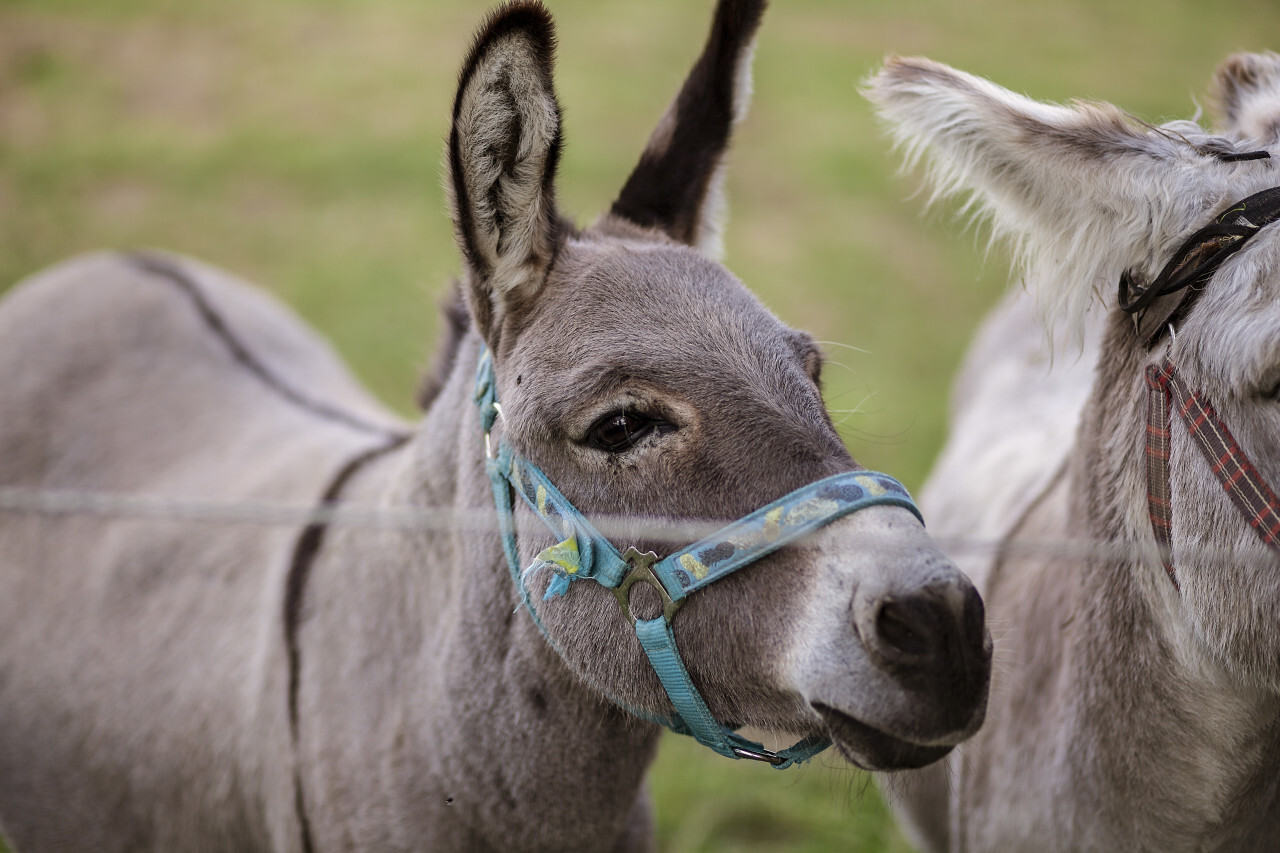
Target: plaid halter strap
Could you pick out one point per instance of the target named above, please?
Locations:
(1157, 307)
(1242, 482)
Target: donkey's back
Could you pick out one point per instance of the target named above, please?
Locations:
(152, 375)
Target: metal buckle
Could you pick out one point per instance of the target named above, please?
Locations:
(642, 572)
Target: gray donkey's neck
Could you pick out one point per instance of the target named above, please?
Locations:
(1130, 699)
(468, 724)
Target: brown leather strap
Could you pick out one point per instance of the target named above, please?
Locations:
(1163, 302)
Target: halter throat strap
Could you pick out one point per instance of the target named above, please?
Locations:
(583, 553)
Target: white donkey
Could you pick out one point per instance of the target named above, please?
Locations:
(181, 686)
(1136, 698)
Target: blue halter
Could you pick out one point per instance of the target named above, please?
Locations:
(584, 553)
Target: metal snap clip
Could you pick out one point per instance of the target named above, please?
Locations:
(763, 755)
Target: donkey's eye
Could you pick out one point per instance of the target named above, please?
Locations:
(618, 431)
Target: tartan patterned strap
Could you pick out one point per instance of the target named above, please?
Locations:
(1243, 484)
(1159, 508)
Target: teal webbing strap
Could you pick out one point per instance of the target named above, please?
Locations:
(506, 518)
(780, 523)
(486, 393)
(659, 644)
(584, 551)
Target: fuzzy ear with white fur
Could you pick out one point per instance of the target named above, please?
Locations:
(504, 146)
(1085, 191)
(1246, 92)
(676, 187)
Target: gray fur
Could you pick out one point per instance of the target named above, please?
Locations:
(151, 673)
(1123, 715)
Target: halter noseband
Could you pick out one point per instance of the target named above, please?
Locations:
(1156, 308)
(584, 553)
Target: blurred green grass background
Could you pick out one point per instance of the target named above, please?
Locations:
(298, 143)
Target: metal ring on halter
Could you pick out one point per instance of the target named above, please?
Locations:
(642, 572)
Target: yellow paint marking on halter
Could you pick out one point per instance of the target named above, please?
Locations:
(807, 511)
(563, 554)
(542, 499)
(693, 566)
(873, 488)
(772, 524)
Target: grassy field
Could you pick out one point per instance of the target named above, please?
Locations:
(298, 142)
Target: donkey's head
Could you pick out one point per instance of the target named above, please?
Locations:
(1160, 228)
(646, 381)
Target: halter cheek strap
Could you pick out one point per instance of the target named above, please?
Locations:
(583, 553)
(1252, 496)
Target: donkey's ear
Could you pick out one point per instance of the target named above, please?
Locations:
(1083, 190)
(677, 185)
(1246, 92)
(504, 146)
(1032, 163)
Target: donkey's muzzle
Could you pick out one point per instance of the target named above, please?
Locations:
(931, 639)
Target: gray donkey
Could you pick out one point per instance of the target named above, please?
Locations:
(172, 685)
(1136, 697)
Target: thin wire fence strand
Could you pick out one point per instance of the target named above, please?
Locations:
(68, 503)
(114, 505)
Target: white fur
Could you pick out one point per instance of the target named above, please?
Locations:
(1076, 220)
(715, 209)
(1247, 93)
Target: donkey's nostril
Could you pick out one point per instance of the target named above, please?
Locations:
(901, 628)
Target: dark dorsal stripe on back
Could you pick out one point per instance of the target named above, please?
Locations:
(169, 269)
